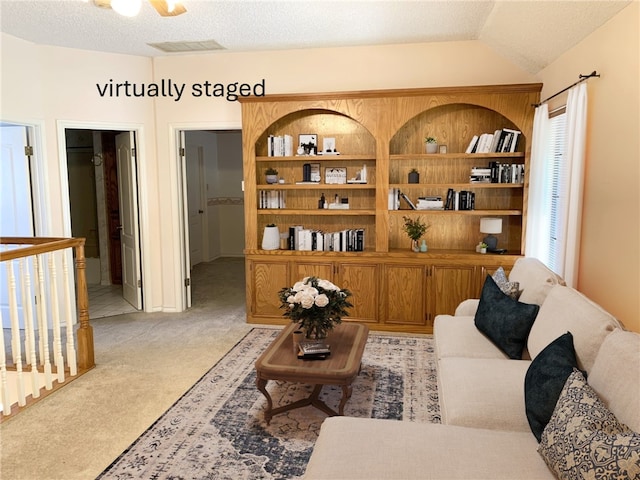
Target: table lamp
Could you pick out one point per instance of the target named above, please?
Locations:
(491, 226)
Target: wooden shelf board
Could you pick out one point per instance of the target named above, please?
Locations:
(316, 158)
(318, 186)
(319, 211)
(458, 212)
(456, 185)
(448, 156)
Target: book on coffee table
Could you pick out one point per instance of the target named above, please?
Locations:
(314, 350)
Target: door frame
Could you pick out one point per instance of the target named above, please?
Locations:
(38, 176)
(178, 182)
(138, 131)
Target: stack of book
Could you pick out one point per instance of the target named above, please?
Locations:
(480, 175)
(313, 350)
(430, 203)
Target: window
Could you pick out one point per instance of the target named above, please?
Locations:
(556, 191)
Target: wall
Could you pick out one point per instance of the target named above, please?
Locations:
(610, 245)
(229, 194)
(49, 86)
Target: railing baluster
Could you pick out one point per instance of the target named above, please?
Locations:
(55, 307)
(15, 333)
(4, 386)
(29, 329)
(43, 324)
(69, 316)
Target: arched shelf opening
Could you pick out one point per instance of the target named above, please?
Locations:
(454, 125)
(351, 137)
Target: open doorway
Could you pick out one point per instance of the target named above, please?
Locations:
(210, 163)
(103, 209)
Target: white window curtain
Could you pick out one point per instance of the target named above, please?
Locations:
(538, 207)
(539, 203)
(576, 142)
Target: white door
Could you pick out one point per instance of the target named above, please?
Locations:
(186, 243)
(16, 215)
(195, 201)
(129, 228)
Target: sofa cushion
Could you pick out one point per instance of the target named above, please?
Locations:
(505, 321)
(584, 436)
(458, 336)
(365, 448)
(567, 310)
(512, 289)
(483, 393)
(545, 379)
(535, 279)
(615, 375)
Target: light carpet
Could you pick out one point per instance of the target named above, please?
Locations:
(217, 430)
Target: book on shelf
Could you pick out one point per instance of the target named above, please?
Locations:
(306, 239)
(460, 200)
(506, 172)
(279, 145)
(408, 200)
(472, 145)
(430, 203)
(504, 140)
(272, 199)
(394, 199)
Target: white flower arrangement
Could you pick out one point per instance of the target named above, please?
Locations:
(316, 304)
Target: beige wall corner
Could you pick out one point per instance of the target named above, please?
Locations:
(610, 246)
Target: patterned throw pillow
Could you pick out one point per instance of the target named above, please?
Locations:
(509, 288)
(584, 439)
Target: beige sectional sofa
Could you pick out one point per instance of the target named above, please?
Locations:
(485, 431)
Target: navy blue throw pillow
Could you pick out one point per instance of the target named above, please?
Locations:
(505, 321)
(545, 379)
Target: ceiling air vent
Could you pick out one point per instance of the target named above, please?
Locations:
(202, 46)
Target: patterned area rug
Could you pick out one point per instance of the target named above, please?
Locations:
(217, 430)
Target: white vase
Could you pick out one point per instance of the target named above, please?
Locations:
(271, 238)
(431, 147)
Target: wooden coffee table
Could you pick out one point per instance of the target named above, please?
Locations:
(279, 362)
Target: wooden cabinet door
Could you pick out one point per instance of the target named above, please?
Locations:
(362, 280)
(301, 269)
(404, 294)
(448, 286)
(265, 279)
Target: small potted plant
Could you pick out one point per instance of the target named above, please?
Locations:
(431, 144)
(414, 176)
(415, 229)
(271, 175)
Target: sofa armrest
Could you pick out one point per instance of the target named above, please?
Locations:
(467, 308)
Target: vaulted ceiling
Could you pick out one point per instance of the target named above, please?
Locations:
(531, 34)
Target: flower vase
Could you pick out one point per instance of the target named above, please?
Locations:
(414, 245)
(314, 332)
(271, 238)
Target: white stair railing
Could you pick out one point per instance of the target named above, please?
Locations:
(38, 313)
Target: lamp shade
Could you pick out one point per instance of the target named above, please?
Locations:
(490, 225)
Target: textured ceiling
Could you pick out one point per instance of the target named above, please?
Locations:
(531, 34)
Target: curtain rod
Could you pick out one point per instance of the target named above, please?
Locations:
(582, 79)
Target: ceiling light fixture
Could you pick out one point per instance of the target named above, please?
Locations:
(127, 8)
